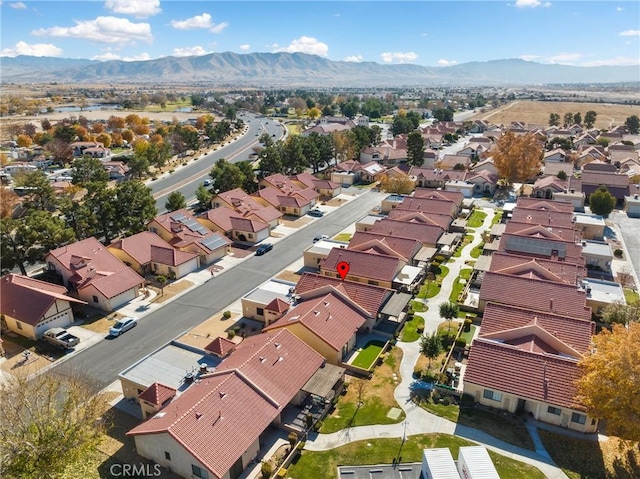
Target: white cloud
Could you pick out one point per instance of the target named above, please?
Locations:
(102, 30)
(304, 44)
(565, 58)
(18, 5)
(35, 50)
(613, 62)
(354, 58)
(107, 56)
(630, 33)
(135, 8)
(398, 57)
(189, 52)
(531, 4)
(446, 63)
(244, 47)
(199, 21)
(529, 58)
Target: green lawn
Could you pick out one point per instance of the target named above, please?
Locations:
(410, 329)
(458, 286)
(418, 306)
(631, 296)
(465, 241)
(429, 289)
(322, 465)
(343, 237)
(477, 251)
(368, 355)
(497, 217)
(476, 219)
(467, 335)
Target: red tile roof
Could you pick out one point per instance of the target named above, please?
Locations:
(27, 299)
(363, 265)
(295, 198)
(534, 294)
(428, 235)
(499, 320)
(428, 206)
(170, 256)
(311, 181)
(220, 346)
(277, 305)
(186, 231)
(549, 232)
(228, 219)
(549, 377)
(432, 194)
(368, 297)
(443, 221)
(331, 317)
(555, 219)
(437, 175)
(403, 248)
(209, 420)
(138, 246)
(91, 264)
(157, 394)
(570, 273)
(541, 248)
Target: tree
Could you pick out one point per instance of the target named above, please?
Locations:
(49, 423)
(162, 281)
(60, 150)
(135, 207)
(399, 184)
(204, 197)
(562, 175)
(138, 164)
(568, 119)
(618, 313)
(608, 386)
(443, 114)
(632, 123)
(554, 119)
(40, 195)
(249, 184)
(590, 118)
(448, 311)
(292, 154)
(270, 161)
(29, 239)
(401, 125)
(601, 202)
(226, 176)
(517, 158)
(577, 118)
(88, 170)
(175, 201)
(24, 141)
(431, 347)
(415, 149)
(8, 201)
(342, 146)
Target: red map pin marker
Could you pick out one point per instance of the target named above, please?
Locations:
(343, 269)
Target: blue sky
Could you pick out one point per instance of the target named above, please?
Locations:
(430, 33)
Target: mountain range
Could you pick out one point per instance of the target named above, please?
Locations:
(300, 70)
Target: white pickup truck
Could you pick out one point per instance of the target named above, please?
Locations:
(60, 338)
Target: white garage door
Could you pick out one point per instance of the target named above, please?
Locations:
(62, 321)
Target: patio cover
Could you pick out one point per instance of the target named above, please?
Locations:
(323, 380)
(425, 254)
(483, 263)
(396, 304)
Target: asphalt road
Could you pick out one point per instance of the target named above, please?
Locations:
(103, 361)
(629, 227)
(187, 179)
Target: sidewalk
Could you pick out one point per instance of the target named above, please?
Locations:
(419, 421)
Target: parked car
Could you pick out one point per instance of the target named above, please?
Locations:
(123, 325)
(316, 212)
(320, 237)
(264, 248)
(60, 338)
(207, 182)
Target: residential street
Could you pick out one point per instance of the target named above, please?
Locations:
(105, 360)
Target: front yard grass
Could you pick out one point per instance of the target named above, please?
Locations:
(410, 332)
(631, 296)
(497, 217)
(418, 306)
(458, 286)
(581, 458)
(377, 398)
(465, 241)
(322, 465)
(343, 237)
(431, 288)
(368, 355)
(476, 219)
(477, 250)
(468, 335)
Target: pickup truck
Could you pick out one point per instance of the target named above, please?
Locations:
(60, 338)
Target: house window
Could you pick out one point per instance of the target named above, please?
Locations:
(493, 395)
(260, 311)
(250, 236)
(199, 472)
(167, 455)
(579, 418)
(18, 324)
(554, 410)
(95, 299)
(374, 283)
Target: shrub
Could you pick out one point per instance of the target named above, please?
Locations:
(317, 426)
(436, 396)
(446, 400)
(420, 329)
(467, 325)
(417, 372)
(617, 253)
(461, 343)
(172, 170)
(292, 437)
(226, 314)
(231, 334)
(435, 268)
(439, 258)
(266, 469)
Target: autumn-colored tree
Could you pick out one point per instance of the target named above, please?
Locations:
(517, 157)
(314, 113)
(342, 146)
(8, 200)
(98, 127)
(141, 129)
(116, 123)
(105, 139)
(127, 135)
(156, 139)
(609, 387)
(400, 184)
(116, 139)
(132, 120)
(24, 141)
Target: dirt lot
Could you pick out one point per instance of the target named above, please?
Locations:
(537, 112)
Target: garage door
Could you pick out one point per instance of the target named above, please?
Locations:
(62, 321)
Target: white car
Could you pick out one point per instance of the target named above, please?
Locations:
(122, 325)
(206, 182)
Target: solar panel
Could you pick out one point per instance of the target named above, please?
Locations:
(178, 217)
(536, 246)
(213, 242)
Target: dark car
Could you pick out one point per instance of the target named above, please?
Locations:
(316, 212)
(264, 248)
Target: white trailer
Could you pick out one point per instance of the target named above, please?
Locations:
(474, 462)
(438, 464)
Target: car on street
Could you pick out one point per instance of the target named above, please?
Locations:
(207, 182)
(264, 248)
(319, 238)
(123, 325)
(318, 213)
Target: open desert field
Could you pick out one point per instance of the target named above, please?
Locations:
(537, 112)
